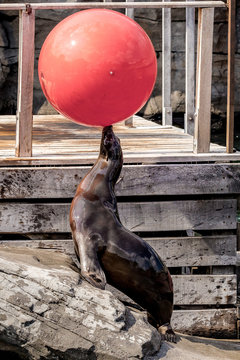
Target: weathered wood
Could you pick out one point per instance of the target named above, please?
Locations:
(189, 71)
(179, 215)
(119, 5)
(139, 216)
(25, 83)
(238, 282)
(175, 252)
(196, 251)
(166, 67)
(57, 141)
(61, 182)
(238, 235)
(202, 129)
(204, 289)
(224, 270)
(130, 158)
(211, 323)
(231, 76)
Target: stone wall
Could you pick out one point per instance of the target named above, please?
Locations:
(150, 20)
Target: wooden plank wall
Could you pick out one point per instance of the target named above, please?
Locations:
(187, 212)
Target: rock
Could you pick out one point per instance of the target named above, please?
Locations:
(3, 37)
(238, 28)
(11, 25)
(195, 348)
(8, 58)
(48, 312)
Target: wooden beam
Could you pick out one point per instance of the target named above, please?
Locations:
(146, 158)
(190, 71)
(135, 180)
(206, 322)
(201, 141)
(25, 82)
(119, 5)
(166, 67)
(174, 215)
(204, 289)
(231, 77)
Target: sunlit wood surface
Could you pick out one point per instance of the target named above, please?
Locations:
(57, 140)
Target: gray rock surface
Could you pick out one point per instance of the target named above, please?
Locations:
(48, 312)
(195, 348)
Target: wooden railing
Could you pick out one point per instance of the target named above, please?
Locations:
(197, 113)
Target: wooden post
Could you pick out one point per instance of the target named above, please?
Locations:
(231, 78)
(129, 13)
(189, 71)
(25, 82)
(202, 131)
(166, 67)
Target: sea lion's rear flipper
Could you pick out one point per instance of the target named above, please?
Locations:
(168, 334)
(87, 250)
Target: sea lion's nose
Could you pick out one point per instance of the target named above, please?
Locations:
(107, 129)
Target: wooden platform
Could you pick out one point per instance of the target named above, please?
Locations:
(59, 141)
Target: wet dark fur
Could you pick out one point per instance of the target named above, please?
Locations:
(110, 252)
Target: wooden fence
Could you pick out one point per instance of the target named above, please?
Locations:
(198, 113)
(187, 212)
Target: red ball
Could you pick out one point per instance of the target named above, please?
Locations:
(97, 67)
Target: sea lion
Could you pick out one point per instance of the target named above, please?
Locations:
(108, 251)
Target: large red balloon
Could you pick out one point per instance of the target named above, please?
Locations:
(97, 67)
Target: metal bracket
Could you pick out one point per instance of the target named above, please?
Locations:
(28, 9)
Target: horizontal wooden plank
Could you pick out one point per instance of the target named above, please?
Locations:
(151, 157)
(196, 251)
(213, 323)
(179, 215)
(204, 289)
(175, 252)
(139, 216)
(184, 179)
(118, 5)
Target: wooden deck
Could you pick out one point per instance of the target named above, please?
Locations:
(58, 141)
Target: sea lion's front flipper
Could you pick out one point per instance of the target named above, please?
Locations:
(87, 250)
